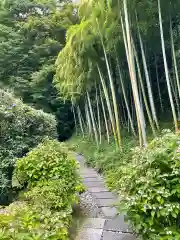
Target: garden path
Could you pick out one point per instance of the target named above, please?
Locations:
(107, 225)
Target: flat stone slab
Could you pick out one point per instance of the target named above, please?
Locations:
(103, 195)
(116, 236)
(117, 224)
(95, 223)
(97, 189)
(102, 202)
(87, 172)
(85, 176)
(94, 184)
(109, 212)
(93, 179)
(96, 176)
(90, 234)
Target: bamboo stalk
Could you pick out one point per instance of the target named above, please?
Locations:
(114, 101)
(125, 99)
(143, 92)
(92, 118)
(108, 104)
(130, 57)
(98, 115)
(159, 90)
(88, 119)
(166, 68)
(80, 120)
(105, 118)
(150, 94)
(174, 58)
(130, 71)
(74, 115)
(115, 108)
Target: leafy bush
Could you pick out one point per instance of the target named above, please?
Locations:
(151, 186)
(21, 129)
(49, 161)
(45, 211)
(147, 180)
(33, 222)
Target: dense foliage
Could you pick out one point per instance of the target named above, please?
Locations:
(108, 67)
(147, 181)
(44, 211)
(122, 61)
(150, 182)
(32, 33)
(21, 129)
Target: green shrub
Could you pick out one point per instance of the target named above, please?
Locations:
(21, 129)
(151, 187)
(53, 184)
(147, 180)
(24, 221)
(50, 160)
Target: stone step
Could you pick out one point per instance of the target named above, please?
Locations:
(103, 195)
(117, 224)
(109, 212)
(94, 184)
(89, 234)
(97, 189)
(103, 202)
(108, 235)
(96, 223)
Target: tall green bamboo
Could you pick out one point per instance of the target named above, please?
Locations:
(111, 115)
(159, 90)
(174, 58)
(166, 68)
(143, 91)
(130, 73)
(105, 117)
(130, 57)
(98, 115)
(125, 99)
(116, 113)
(80, 120)
(88, 118)
(92, 119)
(75, 120)
(150, 94)
(115, 107)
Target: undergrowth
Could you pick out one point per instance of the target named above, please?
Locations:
(147, 180)
(51, 185)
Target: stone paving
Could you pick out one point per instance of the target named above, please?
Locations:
(110, 226)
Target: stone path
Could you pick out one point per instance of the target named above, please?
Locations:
(108, 225)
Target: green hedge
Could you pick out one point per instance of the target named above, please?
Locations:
(53, 184)
(21, 129)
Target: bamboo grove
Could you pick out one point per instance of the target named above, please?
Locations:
(120, 68)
